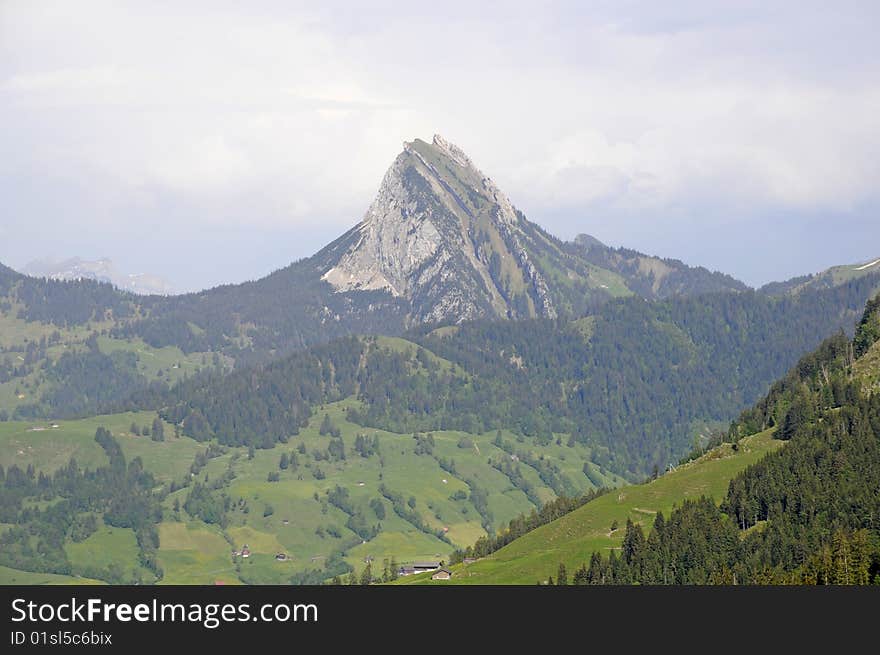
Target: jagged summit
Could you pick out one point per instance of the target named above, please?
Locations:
(439, 243)
(441, 234)
(444, 240)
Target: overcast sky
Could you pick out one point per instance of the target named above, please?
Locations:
(215, 142)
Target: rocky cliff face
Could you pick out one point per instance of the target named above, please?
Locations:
(441, 235)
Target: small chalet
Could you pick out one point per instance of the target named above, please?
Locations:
(442, 574)
(419, 567)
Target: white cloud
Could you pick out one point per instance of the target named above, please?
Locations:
(203, 166)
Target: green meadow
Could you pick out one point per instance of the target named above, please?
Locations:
(571, 539)
(48, 445)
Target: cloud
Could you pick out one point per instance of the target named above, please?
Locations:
(286, 115)
(205, 166)
(62, 81)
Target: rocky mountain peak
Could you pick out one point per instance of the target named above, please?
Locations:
(452, 151)
(442, 235)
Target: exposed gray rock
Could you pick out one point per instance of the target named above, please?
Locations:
(443, 236)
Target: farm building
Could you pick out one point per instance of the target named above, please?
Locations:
(442, 574)
(419, 567)
(426, 566)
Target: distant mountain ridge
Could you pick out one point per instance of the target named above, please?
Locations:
(655, 277)
(442, 235)
(100, 270)
(440, 244)
(831, 277)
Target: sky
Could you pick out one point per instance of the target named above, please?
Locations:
(215, 142)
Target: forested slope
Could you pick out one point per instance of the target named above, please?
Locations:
(636, 381)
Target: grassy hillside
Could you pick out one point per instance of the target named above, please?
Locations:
(28, 350)
(309, 529)
(294, 514)
(48, 448)
(867, 368)
(574, 537)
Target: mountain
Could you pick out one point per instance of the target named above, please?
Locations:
(443, 236)
(440, 243)
(101, 270)
(833, 276)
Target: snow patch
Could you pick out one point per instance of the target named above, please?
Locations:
(864, 266)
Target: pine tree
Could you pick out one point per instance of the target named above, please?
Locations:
(596, 573)
(561, 575)
(825, 566)
(860, 552)
(842, 562)
(326, 426)
(367, 575)
(634, 548)
(158, 430)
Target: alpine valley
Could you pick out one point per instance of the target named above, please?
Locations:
(446, 381)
